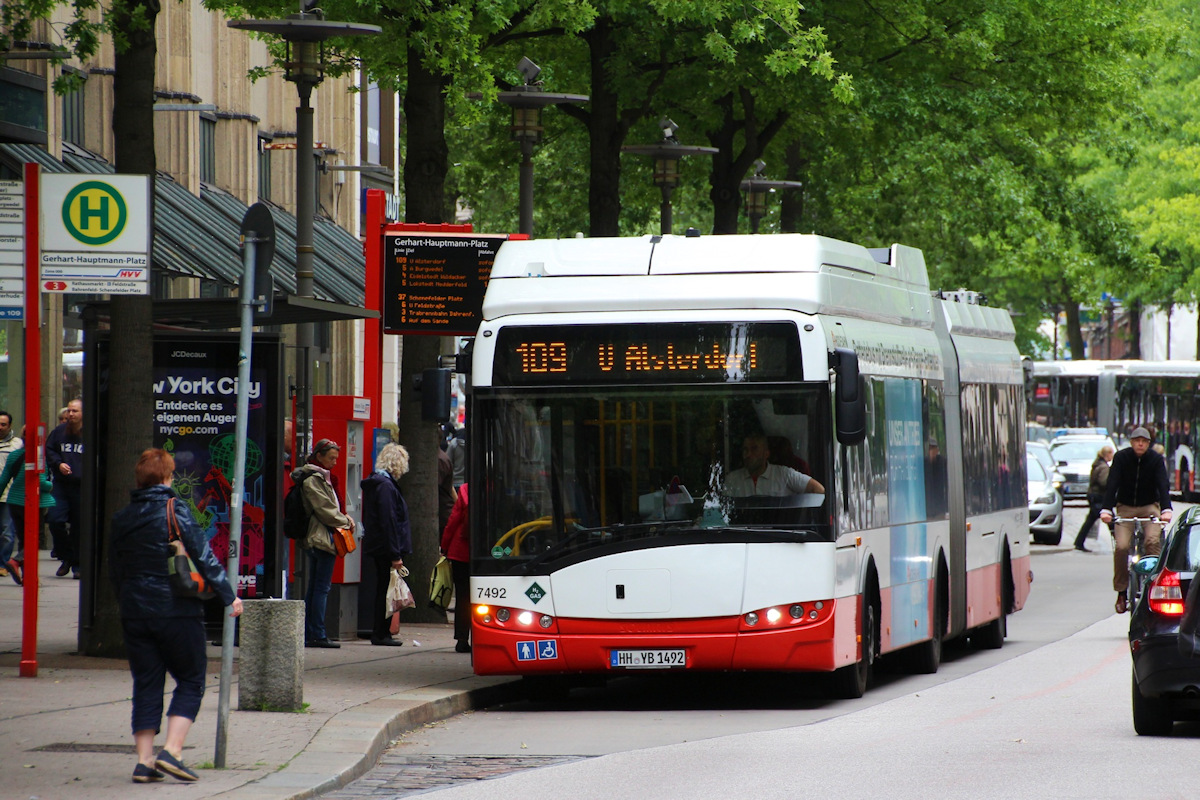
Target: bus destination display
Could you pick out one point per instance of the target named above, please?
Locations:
(435, 284)
(657, 353)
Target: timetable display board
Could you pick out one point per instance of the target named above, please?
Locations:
(434, 284)
(709, 352)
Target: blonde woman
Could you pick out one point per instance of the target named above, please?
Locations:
(387, 537)
(1095, 495)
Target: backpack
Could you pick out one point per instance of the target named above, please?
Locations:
(295, 515)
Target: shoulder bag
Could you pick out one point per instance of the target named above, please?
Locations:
(343, 540)
(186, 580)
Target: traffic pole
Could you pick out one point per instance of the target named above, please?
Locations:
(34, 458)
(246, 300)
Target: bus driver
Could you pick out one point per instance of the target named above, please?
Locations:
(758, 477)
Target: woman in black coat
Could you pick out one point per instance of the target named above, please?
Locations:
(163, 632)
(387, 537)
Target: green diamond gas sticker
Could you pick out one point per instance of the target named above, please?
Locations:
(535, 593)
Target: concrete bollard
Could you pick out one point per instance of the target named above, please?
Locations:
(271, 656)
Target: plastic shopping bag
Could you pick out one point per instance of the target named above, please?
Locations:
(441, 585)
(399, 596)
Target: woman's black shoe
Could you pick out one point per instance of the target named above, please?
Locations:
(462, 647)
(322, 643)
(388, 642)
(1082, 548)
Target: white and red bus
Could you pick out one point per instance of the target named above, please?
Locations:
(614, 383)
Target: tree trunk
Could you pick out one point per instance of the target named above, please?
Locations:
(1133, 348)
(730, 167)
(425, 166)
(606, 134)
(1074, 334)
(130, 427)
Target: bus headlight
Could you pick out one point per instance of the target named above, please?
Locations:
(546, 621)
(525, 618)
(502, 614)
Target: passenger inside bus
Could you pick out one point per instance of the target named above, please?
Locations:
(758, 477)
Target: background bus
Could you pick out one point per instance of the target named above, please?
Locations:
(614, 384)
(1121, 395)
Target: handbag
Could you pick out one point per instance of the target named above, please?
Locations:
(343, 540)
(186, 580)
(441, 585)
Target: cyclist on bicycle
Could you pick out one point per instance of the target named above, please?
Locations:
(1137, 487)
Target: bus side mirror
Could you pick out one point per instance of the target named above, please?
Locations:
(849, 398)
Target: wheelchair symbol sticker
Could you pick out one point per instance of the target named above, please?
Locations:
(547, 649)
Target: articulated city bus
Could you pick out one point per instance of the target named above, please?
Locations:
(1121, 395)
(621, 392)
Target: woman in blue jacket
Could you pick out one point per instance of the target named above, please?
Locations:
(387, 537)
(163, 632)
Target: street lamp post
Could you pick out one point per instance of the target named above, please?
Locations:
(304, 65)
(757, 188)
(527, 102)
(666, 155)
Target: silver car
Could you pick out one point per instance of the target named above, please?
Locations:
(1074, 454)
(1041, 453)
(1045, 505)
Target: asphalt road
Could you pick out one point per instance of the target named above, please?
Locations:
(1047, 715)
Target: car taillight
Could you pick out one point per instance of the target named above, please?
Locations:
(1166, 594)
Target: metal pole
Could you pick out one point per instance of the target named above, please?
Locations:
(526, 223)
(305, 205)
(664, 212)
(245, 348)
(306, 193)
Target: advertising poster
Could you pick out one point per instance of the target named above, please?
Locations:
(195, 409)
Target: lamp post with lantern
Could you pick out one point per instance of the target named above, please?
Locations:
(527, 102)
(666, 155)
(304, 34)
(756, 189)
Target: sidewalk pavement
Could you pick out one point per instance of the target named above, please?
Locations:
(65, 735)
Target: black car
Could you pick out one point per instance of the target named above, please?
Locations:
(1166, 684)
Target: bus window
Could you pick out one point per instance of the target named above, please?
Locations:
(573, 470)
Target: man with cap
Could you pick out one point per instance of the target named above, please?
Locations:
(1137, 487)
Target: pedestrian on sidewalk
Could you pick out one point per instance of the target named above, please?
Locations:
(8, 534)
(1097, 482)
(456, 549)
(387, 536)
(12, 484)
(163, 631)
(324, 513)
(64, 454)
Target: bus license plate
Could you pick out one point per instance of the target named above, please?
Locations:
(647, 659)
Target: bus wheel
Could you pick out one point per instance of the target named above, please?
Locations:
(991, 636)
(926, 657)
(851, 682)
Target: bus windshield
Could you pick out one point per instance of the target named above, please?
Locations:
(573, 473)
